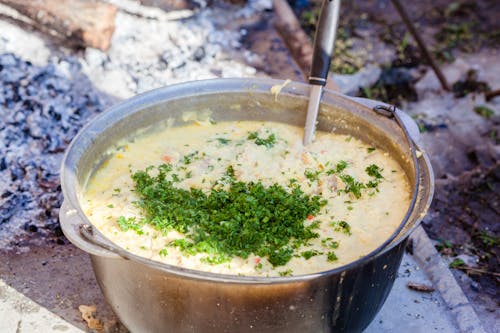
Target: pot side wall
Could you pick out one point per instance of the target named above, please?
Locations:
(150, 300)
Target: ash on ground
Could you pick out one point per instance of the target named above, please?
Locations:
(47, 93)
(41, 110)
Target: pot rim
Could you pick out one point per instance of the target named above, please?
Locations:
(182, 90)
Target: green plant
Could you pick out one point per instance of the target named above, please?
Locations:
(456, 263)
(484, 111)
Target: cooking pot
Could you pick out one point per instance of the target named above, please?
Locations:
(150, 296)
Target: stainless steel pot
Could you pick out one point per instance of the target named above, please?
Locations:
(150, 296)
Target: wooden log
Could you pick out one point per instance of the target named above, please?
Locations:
(81, 22)
(293, 35)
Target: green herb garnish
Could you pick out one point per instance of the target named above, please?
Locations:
(374, 171)
(268, 142)
(288, 272)
(352, 185)
(338, 168)
(223, 141)
(309, 254)
(312, 175)
(333, 245)
(341, 166)
(129, 223)
(341, 226)
(331, 256)
(189, 157)
(239, 220)
(370, 149)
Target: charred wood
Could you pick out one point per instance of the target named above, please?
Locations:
(82, 23)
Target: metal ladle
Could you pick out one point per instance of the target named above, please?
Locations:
(324, 42)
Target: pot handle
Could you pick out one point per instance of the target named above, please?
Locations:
(412, 134)
(408, 122)
(84, 236)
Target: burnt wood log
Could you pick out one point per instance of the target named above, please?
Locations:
(292, 34)
(81, 22)
(296, 40)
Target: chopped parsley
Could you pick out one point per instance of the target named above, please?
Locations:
(129, 223)
(309, 254)
(238, 220)
(223, 141)
(341, 166)
(228, 177)
(338, 168)
(333, 245)
(331, 256)
(189, 157)
(329, 242)
(288, 272)
(341, 226)
(312, 175)
(269, 142)
(351, 185)
(374, 171)
(370, 149)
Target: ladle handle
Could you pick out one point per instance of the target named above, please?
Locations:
(324, 41)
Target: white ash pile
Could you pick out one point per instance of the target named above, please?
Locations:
(152, 48)
(41, 110)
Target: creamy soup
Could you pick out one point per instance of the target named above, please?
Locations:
(247, 198)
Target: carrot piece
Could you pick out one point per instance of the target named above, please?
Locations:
(166, 158)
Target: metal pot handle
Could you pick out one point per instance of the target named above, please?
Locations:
(385, 109)
(412, 134)
(84, 236)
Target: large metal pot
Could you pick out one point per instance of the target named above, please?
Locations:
(150, 296)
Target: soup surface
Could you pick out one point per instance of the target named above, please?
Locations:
(247, 198)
